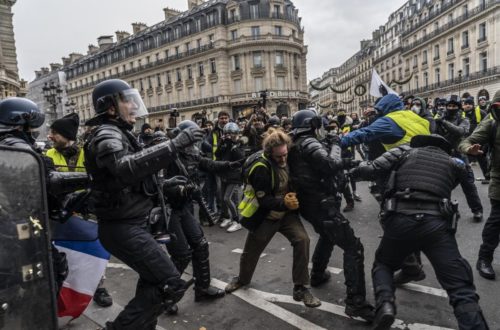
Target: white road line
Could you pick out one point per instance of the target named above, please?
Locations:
(333, 270)
(117, 265)
(102, 315)
(240, 251)
(255, 298)
(425, 289)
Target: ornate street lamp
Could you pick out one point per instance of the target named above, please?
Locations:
(53, 95)
(70, 106)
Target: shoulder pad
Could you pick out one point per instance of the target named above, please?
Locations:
(108, 139)
(12, 141)
(310, 145)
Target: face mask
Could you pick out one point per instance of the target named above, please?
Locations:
(416, 109)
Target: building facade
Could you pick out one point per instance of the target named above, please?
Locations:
(9, 75)
(431, 48)
(217, 56)
(321, 91)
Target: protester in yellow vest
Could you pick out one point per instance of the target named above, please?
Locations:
(395, 126)
(68, 157)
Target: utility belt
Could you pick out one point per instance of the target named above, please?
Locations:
(444, 208)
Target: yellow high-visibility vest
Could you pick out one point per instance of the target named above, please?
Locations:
(62, 165)
(249, 204)
(214, 145)
(477, 112)
(411, 123)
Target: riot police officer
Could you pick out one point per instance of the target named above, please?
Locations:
(120, 171)
(313, 173)
(419, 216)
(454, 128)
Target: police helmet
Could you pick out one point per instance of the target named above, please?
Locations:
(274, 121)
(432, 140)
(17, 111)
(183, 125)
(231, 128)
(305, 121)
(108, 93)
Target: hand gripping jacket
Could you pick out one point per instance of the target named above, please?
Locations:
(311, 168)
(118, 167)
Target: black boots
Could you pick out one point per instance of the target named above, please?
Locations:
(209, 293)
(319, 278)
(485, 269)
(385, 316)
(102, 297)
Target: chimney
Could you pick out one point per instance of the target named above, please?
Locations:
(121, 35)
(105, 42)
(45, 71)
(55, 67)
(194, 3)
(92, 49)
(73, 57)
(169, 13)
(66, 61)
(138, 27)
(38, 74)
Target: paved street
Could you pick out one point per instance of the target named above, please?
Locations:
(267, 303)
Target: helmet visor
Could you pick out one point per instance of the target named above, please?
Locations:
(130, 105)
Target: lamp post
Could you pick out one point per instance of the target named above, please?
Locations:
(174, 114)
(70, 106)
(52, 94)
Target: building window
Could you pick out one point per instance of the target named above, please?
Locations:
(437, 74)
(236, 62)
(466, 66)
(424, 57)
(279, 58)
(234, 34)
(191, 93)
(426, 79)
(188, 47)
(198, 24)
(211, 19)
(254, 11)
(187, 28)
(211, 39)
(465, 39)
(257, 59)
(415, 61)
(483, 62)
(213, 66)
(201, 69)
(277, 11)
(167, 54)
(280, 83)
(436, 52)
(258, 83)
(177, 32)
(255, 32)
(179, 75)
(202, 91)
(294, 33)
(482, 32)
(237, 86)
(451, 48)
(451, 71)
(177, 51)
(416, 82)
(278, 30)
(169, 79)
(158, 80)
(198, 44)
(465, 10)
(232, 15)
(190, 72)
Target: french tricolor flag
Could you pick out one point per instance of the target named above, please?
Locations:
(87, 260)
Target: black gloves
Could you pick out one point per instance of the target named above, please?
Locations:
(236, 165)
(349, 163)
(177, 180)
(188, 137)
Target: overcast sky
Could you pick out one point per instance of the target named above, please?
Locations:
(47, 30)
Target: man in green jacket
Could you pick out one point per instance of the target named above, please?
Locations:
(487, 132)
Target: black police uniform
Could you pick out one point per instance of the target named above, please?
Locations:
(422, 179)
(454, 128)
(190, 243)
(312, 172)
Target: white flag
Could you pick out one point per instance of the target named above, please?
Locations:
(376, 86)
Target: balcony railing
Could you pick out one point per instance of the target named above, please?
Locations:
(479, 10)
(459, 80)
(431, 16)
(162, 61)
(186, 104)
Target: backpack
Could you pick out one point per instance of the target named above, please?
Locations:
(249, 203)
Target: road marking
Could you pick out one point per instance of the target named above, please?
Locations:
(425, 289)
(255, 298)
(118, 266)
(101, 315)
(333, 270)
(240, 251)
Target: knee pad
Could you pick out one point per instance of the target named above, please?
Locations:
(200, 250)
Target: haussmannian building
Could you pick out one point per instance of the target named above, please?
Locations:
(218, 55)
(431, 48)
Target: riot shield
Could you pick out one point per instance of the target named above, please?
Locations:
(27, 288)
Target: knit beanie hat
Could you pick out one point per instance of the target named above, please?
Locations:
(67, 126)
